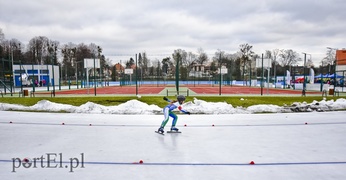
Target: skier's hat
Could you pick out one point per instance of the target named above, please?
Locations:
(181, 98)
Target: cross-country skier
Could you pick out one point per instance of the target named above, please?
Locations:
(168, 112)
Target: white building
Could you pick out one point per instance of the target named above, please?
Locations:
(45, 74)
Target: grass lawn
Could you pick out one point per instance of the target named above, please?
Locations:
(244, 101)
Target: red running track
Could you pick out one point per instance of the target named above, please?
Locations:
(111, 90)
(200, 89)
(245, 90)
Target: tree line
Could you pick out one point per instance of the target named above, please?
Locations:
(240, 65)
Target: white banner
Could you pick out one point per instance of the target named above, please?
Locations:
(312, 76)
(288, 77)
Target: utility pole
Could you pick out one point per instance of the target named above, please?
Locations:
(94, 76)
(334, 79)
(304, 82)
(220, 74)
(262, 77)
(13, 77)
(136, 76)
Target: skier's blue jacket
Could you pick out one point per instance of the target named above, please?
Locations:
(175, 105)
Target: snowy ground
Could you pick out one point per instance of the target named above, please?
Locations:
(108, 146)
(196, 107)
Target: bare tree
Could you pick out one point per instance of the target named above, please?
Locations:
(2, 36)
(330, 57)
(2, 45)
(191, 59)
(226, 59)
(309, 63)
(16, 49)
(9, 48)
(268, 54)
(55, 46)
(217, 56)
(166, 65)
(274, 56)
(140, 64)
(246, 55)
(140, 60)
(289, 57)
(94, 49)
(202, 57)
(69, 61)
(39, 48)
(145, 63)
(130, 63)
(182, 55)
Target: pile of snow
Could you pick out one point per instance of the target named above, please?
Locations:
(196, 106)
(323, 105)
(203, 107)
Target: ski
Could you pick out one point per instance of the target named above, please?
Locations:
(159, 133)
(173, 131)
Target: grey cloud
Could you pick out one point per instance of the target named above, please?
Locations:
(311, 11)
(160, 26)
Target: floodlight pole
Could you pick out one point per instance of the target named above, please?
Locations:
(321, 79)
(334, 67)
(294, 77)
(88, 82)
(230, 71)
(13, 77)
(136, 77)
(304, 82)
(21, 78)
(53, 71)
(48, 76)
(33, 75)
(220, 74)
(76, 73)
(53, 81)
(94, 76)
(59, 76)
(262, 77)
(268, 72)
(275, 81)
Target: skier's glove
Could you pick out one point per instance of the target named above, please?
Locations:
(188, 113)
(165, 98)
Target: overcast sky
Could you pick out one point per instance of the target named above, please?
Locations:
(161, 26)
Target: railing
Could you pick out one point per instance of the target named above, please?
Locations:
(169, 92)
(3, 85)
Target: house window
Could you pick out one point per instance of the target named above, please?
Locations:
(32, 71)
(45, 71)
(19, 71)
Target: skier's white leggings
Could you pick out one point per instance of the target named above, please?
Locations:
(167, 114)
